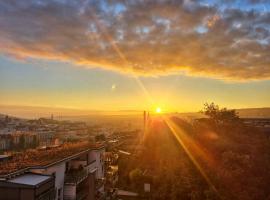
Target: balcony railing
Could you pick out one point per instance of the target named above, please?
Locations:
(81, 195)
(99, 183)
(49, 195)
(100, 196)
(76, 176)
(91, 166)
(112, 193)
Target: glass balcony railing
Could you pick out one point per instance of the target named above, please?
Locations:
(76, 176)
(49, 195)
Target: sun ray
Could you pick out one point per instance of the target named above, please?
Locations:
(185, 143)
(122, 57)
(178, 134)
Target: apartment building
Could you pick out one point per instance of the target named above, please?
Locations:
(79, 175)
(25, 139)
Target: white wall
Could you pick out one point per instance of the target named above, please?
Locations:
(59, 171)
(75, 164)
(99, 164)
(70, 192)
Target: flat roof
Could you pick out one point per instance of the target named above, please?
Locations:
(29, 179)
(4, 156)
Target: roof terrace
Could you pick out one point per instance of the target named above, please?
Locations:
(36, 158)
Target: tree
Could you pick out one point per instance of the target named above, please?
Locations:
(21, 142)
(219, 116)
(210, 194)
(100, 137)
(136, 176)
(35, 142)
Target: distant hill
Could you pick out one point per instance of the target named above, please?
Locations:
(28, 112)
(254, 112)
(35, 112)
(243, 113)
(3, 116)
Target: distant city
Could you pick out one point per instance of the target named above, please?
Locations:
(47, 159)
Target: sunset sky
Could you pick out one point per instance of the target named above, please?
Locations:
(135, 55)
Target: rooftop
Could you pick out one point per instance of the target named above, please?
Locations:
(4, 156)
(38, 158)
(29, 179)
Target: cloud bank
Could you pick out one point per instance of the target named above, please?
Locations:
(151, 37)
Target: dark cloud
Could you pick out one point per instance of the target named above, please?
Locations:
(142, 37)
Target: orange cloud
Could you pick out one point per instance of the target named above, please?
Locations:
(213, 20)
(149, 38)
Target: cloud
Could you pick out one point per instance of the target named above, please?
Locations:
(152, 37)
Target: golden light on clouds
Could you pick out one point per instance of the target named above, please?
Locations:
(146, 39)
(213, 20)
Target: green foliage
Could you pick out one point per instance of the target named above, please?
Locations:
(195, 195)
(22, 142)
(136, 176)
(35, 142)
(236, 159)
(210, 194)
(220, 115)
(100, 137)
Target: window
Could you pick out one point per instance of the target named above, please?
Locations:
(67, 167)
(59, 193)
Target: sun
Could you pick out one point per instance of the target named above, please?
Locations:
(158, 110)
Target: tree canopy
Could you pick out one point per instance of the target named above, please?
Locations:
(220, 115)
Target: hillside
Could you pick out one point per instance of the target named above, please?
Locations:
(254, 112)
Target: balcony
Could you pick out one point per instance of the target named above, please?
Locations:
(49, 195)
(99, 183)
(91, 166)
(112, 193)
(81, 195)
(76, 176)
(112, 175)
(100, 196)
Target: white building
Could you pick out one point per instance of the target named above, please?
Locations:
(80, 176)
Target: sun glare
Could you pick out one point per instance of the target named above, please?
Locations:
(158, 110)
